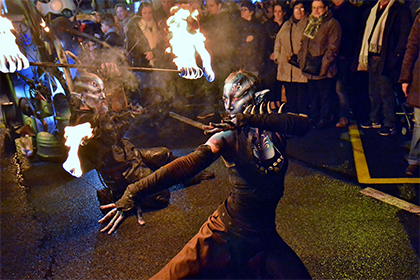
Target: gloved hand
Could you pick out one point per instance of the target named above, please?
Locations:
(120, 211)
(118, 218)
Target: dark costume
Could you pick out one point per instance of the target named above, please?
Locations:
(239, 240)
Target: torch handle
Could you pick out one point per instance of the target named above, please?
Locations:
(52, 64)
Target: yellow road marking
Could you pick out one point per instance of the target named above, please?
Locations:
(362, 169)
(389, 199)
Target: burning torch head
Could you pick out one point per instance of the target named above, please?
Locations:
(239, 92)
(89, 90)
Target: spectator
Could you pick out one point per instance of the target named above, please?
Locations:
(321, 40)
(387, 26)
(252, 42)
(349, 18)
(164, 12)
(97, 17)
(145, 48)
(123, 17)
(142, 38)
(287, 43)
(410, 73)
(110, 35)
(269, 75)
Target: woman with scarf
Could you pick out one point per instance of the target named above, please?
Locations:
(145, 48)
(317, 56)
(142, 35)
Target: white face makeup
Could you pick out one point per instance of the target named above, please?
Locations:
(236, 98)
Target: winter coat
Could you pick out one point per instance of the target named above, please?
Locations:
(251, 53)
(397, 29)
(326, 44)
(112, 38)
(283, 51)
(410, 71)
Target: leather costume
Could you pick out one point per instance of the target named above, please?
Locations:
(239, 240)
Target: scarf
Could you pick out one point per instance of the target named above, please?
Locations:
(313, 25)
(375, 44)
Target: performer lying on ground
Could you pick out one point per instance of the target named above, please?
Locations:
(118, 161)
(239, 240)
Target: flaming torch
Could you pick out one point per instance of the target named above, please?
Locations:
(11, 59)
(186, 40)
(74, 136)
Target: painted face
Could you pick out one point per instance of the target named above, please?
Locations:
(236, 98)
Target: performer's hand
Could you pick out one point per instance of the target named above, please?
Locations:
(118, 218)
(212, 128)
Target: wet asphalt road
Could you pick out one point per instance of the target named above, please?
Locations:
(49, 226)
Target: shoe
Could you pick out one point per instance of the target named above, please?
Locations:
(386, 131)
(343, 122)
(411, 170)
(370, 125)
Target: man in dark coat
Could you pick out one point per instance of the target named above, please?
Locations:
(382, 48)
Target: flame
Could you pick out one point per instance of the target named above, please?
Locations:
(187, 40)
(74, 136)
(11, 58)
(44, 25)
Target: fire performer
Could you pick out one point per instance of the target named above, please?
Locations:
(239, 240)
(109, 151)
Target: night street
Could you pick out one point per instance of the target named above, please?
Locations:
(49, 227)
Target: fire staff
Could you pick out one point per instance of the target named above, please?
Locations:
(239, 240)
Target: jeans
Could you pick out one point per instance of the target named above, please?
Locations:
(414, 155)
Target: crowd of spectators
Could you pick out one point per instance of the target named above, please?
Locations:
(336, 61)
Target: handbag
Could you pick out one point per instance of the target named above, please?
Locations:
(312, 64)
(294, 58)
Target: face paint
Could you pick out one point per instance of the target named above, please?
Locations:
(236, 97)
